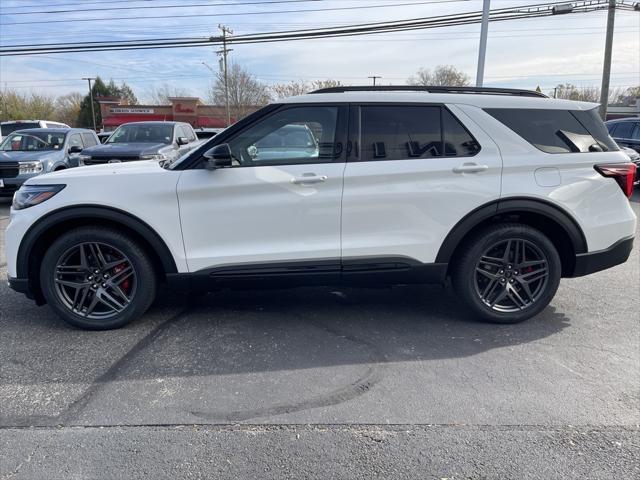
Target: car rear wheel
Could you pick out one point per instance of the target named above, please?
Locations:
(97, 278)
(507, 273)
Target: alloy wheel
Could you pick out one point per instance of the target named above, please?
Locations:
(511, 275)
(95, 280)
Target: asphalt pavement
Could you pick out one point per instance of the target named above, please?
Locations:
(327, 383)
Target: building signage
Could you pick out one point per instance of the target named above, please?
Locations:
(180, 109)
(130, 110)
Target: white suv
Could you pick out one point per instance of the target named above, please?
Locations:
(504, 191)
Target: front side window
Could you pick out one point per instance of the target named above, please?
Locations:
(635, 135)
(142, 133)
(552, 131)
(291, 136)
(32, 141)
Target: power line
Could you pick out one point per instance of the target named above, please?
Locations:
(466, 18)
(147, 7)
(233, 14)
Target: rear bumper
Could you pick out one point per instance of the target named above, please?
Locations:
(592, 262)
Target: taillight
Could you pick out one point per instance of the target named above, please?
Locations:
(623, 173)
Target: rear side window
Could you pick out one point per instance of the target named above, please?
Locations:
(89, 140)
(624, 129)
(400, 132)
(552, 131)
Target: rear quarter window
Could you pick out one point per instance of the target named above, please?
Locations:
(554, 131)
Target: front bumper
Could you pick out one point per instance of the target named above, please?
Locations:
(11, 185)
(591, 262)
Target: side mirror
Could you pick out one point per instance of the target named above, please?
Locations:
(218, 157)
(75, 149)
(182, 140)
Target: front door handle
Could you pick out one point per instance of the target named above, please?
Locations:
(470, 168)
(308, 179)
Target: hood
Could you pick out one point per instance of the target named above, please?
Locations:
(137, 148)
(11, 156)
(108, 169)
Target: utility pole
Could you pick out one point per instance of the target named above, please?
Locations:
(93, 113)
(223, 53)
(606, 68)
(484, 30)
(374, 77)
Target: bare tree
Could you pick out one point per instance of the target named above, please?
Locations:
(300, 87)
(245, 91)
(442, 75)
(15, 105)
(160, 95)
(68, 107)
(617, 95)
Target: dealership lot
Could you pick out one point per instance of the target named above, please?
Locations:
(273, 383)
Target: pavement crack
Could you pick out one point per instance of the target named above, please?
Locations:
(21, 464)
(77, 407)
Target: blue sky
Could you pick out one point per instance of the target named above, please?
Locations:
(521, 53)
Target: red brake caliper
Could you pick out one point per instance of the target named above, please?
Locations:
(126, 284)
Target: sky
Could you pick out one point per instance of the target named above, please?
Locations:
(522, 53)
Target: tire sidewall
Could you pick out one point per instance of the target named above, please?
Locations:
(146, 282)
(481, 244)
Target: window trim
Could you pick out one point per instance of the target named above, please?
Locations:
(340, 135)
(355, 130)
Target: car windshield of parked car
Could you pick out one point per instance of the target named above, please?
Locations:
(33, 141)
(142, 133)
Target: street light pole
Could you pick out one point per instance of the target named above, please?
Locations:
(93, 112)
(484, 30)
(606, 68)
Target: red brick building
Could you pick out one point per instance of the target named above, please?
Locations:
(115, 111)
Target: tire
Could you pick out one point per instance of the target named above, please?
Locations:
(121, 292)
(505, 287)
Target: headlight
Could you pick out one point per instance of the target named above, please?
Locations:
(30, 195)
(30, 167)
(155, 156)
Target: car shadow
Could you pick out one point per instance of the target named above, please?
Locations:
(233, 332)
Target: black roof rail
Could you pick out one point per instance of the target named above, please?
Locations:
(433, 89)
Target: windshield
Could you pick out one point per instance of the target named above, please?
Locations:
(33, 141)
(7, 128)
(145, 133)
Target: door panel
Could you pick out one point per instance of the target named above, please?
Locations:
(406, 207)
(273, 205)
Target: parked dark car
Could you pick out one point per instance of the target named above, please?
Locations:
(626, 132)
(27, 153)
(162, 141)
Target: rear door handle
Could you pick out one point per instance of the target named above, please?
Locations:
(308, 179)
(470, 168)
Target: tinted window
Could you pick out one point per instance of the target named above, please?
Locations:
(624, 129)
(89, 140)
(458, 142)
(636, 132)
(291, 136)
(552, 131)
(400, 132)
(7, 128)
(593, 123)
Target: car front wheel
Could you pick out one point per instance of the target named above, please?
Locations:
(507, 273)
(97, 278)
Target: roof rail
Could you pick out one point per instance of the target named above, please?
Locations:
(433, 89)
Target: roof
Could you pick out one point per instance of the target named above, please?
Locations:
(478, 100)
(623, 119)
(53, 130)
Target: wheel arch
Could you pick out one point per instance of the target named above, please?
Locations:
(561, 228)
(49, 227)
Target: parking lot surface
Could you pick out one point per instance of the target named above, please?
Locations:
(326, 383)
